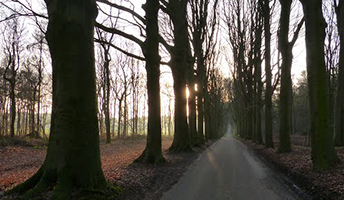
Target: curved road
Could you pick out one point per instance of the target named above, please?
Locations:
(228, 170)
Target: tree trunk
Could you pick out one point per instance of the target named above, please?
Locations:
(181, 139)
(339, 104)
(13, 108)
(119, 118)
(268, 91)
(153, 151)
(286, 84)
(107, 96)
(180, 65)
(114, 117)
(192, 110)
(323, 152)
(19, 120)
(74, 138)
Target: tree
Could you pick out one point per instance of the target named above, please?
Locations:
(74, 139)
(203, 31)
(339, 103)
(258, 73)
(152, 152)
(180, 63)
(268, 88)
(12, 51)
(106, 58)
(323, 152)
(286, 47)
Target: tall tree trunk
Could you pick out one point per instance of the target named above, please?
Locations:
(286, 84)
(125, 116)
(74, 138)
(114, 117)
(180, 64)
(13, 107)
(153, 151)
(119, 118)
(181, 139)
(200, 99)
(107, 96)
(19, 113)
(323, 152)
(339, 104)
(268, 91)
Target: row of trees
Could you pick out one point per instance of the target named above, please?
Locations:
(74, 134)
(247, 100)
(24, 86)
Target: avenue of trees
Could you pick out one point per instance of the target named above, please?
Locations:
(305, 108)
(94, 68)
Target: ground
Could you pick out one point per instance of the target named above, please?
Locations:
(21, 159)
(297, 166)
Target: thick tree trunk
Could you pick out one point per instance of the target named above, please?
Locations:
(153, 151)
(323, 152)
(181, 139)
(180, 65)
(286, 84)
(73, 155)
(339, 104)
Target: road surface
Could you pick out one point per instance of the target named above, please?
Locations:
(228, 170)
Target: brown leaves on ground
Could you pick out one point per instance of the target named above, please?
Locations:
(298, 165)
(139, 181)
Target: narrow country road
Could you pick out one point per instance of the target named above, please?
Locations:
(229, 171)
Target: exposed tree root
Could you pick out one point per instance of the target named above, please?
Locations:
(44, 180)
(149, 157)
(63, 187)
(44, 183)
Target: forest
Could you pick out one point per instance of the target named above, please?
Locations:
(121, 99)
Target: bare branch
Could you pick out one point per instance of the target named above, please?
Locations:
(120, 33)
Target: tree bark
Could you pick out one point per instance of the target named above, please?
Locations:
(323, 152)
(286, 84)
(339, 104)
(153, 150)
(74, 136)
(180, 64)
(268, 91)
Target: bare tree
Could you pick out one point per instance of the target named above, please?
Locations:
(12, 36)
(323, 152)
(286, 47)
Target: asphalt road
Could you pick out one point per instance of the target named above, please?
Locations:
(228, 170)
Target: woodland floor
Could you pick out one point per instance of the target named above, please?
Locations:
(20, 159)
(297, 165)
